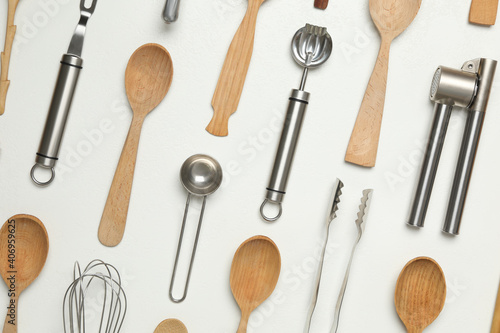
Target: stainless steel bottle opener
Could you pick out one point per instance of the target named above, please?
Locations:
(467, 88)
(71, 65)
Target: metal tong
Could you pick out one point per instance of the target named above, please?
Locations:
(360, 224)
(467, 88)
(71, 65)
(171, 11)
(311, 47)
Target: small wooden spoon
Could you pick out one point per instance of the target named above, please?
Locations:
(5, 56)
(24, 245)
(483, 12)
(420, 293)
(391, 17)
(171, 326)
(234, 72)
(147, 80)
(254, 274)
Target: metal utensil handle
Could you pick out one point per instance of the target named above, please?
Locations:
(171, 11)
(193, 253)
(50, 143)
(288, 143)
(442, 114)
(463, 172)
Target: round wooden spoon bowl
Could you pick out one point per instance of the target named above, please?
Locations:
(420, 293)
(171, 326)
(24, 245)
(392, 17)
(254, 274)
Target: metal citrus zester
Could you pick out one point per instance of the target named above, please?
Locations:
(311, 47)
(71, 65)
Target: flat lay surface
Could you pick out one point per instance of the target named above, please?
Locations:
(72, 206)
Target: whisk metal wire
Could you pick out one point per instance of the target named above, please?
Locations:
(114, 305)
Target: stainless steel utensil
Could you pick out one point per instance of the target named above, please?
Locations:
(467, 88)
(332, 214)
(171, 11)
(360, 224)
(311, 47)
(71, 65)
(201, 175)
(112, 299)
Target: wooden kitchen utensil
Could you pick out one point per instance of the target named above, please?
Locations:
(171, 326)
(24, 245)
(234, 71)
(420, 293)
(147, 80)
(254, 274)
(495, 326)
(5, 57)
(391, 17)
(321, 4)
(483, 12)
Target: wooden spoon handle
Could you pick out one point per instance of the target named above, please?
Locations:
(114, 217)
(243, 322)
(495, 326)
(483, 12)
(362, 149)
(10, 325)
(5, 56)
(234, 71)
(321, 4)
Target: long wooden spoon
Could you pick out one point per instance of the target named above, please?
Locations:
(147, 80)
(483, 12)
(24, 245)
(391, 17)
(171, 326)
(234, 72)
(254, 274)
(420, 293)
(5, 57)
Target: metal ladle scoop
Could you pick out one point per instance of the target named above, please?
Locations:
(201, 175)
(311, 47)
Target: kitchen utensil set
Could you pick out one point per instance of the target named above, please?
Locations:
(171, 326)
(71, 65)
(360, 224)
(467, 88)
(420, 294)
(147, 80)
(254, 274)
(100, 280)
(24, 245)
(9, 40)
(391, 17)
(483, 12)
(234, 71)
(201, 175)
(311, 47)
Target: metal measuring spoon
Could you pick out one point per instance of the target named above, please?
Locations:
(201, 175)
(311, 47)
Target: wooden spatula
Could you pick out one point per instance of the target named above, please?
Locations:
(321, 4)
(483, 12)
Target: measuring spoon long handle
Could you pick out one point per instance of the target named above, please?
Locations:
(114, 217)
(363, 146)
(10, 325)
(234, 71)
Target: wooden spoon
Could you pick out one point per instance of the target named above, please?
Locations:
(234, 72)
(483, 12)
(5, 57)
(254, 274)
(171, 326)
(24, 245)
(147, 80)
(391, 17)
(420, 293)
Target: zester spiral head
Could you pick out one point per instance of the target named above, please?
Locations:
(312, 46)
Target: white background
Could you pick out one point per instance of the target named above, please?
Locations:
(72, 206)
